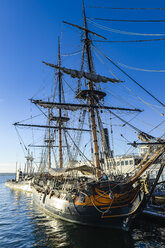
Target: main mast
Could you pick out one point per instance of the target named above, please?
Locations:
(90, 99)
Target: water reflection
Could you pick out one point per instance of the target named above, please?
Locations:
(51, 232)
(146, 233)
(23, 224)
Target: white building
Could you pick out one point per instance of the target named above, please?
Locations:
(128, 164)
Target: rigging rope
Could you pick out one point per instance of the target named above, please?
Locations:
(54, 157)
(117, 20)
(127, 41)
(112, 136)
(126, 122)
(32, 128)
(69, 86)
(148, 133)
(79, 134)
(21, 141)
(114, 8)
(116, 78)
(70, 54)
(157, 125)
(67, 145)
(55, 87)
(42, 112)
(129, 77)
(139, 69)
(121, 99)
(91, 143)
(30, 118)
(82, 66)
(120, 31)
(79, 149)
(148, 104)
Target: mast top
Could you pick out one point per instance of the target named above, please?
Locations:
(84, 29)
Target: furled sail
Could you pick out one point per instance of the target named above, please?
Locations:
(74, 107)
(84, 169)
(65, 106)
(80, 74)
(145, 137)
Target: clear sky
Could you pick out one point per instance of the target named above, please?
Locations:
(29, 31)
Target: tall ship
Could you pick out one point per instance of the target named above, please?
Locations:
(75, 186)
(23, 177)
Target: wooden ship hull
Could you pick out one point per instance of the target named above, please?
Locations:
(94, 207)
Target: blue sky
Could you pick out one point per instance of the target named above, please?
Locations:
(29, 31)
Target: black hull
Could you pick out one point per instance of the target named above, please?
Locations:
(118, 217)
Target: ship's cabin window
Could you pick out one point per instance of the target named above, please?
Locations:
(126, 162)
(118, 163)
(122, 162)
(131, 162)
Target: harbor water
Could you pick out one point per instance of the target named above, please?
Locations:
(24, 225)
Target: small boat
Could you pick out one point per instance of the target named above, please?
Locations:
(24, 185)
(22, 179)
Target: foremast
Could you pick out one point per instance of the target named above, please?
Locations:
(59, 118)
(49, 140)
